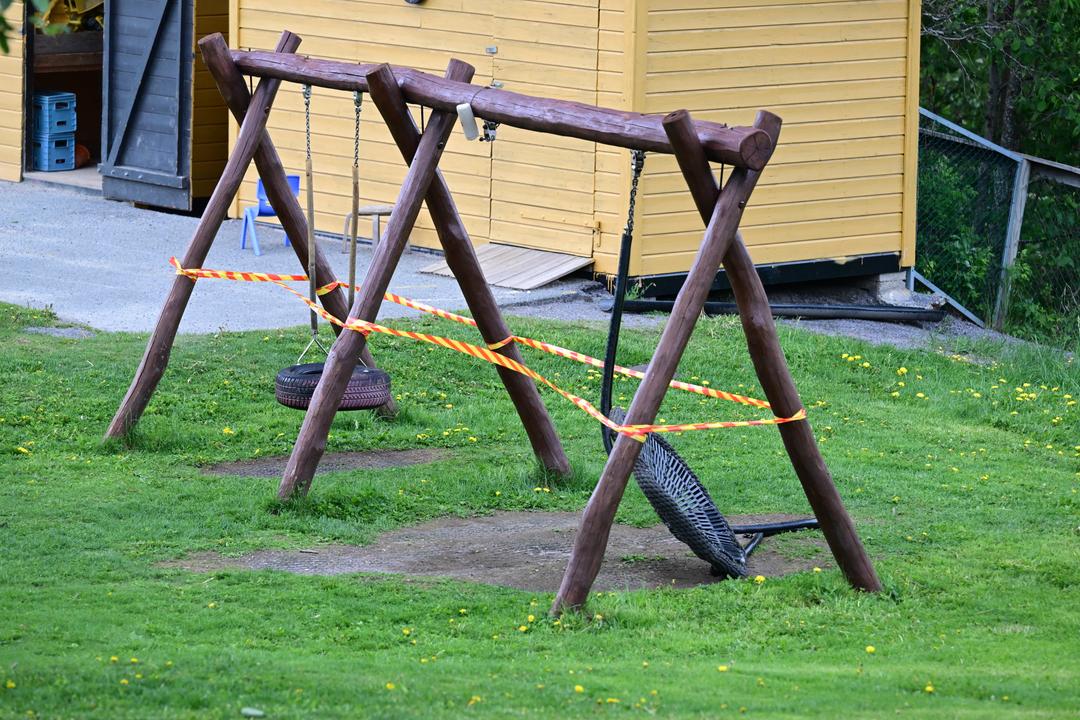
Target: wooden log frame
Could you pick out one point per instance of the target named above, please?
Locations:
(463, 263)
(422, 152)
(693, 143)
(252, 142)
(721, 210)
(311, 441)
(771, 367)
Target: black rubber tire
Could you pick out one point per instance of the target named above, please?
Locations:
(368, 388)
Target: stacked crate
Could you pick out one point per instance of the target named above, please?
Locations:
(54, 131)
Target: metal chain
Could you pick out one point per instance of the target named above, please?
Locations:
(307, 120)
(637, 164)
(358, 101)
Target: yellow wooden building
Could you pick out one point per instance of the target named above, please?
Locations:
(11, 98)
(843, 74)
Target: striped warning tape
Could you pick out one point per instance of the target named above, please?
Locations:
(488, 354)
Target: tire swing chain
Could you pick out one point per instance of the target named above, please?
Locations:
(312, 280)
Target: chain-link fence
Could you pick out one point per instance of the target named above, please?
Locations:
(997, 233)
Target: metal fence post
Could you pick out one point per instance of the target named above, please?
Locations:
(1012, 240)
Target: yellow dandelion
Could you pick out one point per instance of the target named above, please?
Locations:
(123, 681)
(722, 668)
(644, 663)
(134, 661)
(10, 684)
(929, 688)
(901, 371)
(22, 450)
(759, 579)
(895, 393)
(227, 431)
(463, 611)
(406, 631)
(523, 628)
(475, 699)
(612, 700)
(817, 569)
(498, 493)
(598, 617)
(531, 618)
(391, 686)
(579, 689)
(211, 605)
(114, 659)
(870, 649)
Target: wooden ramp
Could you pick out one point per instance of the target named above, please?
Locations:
(518, 267)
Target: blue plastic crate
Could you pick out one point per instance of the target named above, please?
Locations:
(54, 112)
(54, 152)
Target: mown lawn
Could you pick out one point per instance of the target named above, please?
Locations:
(963, 479)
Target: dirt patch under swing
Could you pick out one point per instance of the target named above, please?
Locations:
(526, 550)
(274, 466)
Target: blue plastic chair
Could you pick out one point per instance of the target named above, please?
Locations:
(263, 209)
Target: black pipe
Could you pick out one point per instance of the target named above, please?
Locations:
(621, 278)
(887, 313)
(768, 529)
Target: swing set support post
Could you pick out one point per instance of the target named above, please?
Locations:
(771, 365)
(592, 536)
(158, 349)
(461, 259)
(231, 85)
(311, 442)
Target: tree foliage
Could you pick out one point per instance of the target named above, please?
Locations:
(1007, 68)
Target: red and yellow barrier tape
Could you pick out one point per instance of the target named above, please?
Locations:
(488, 354)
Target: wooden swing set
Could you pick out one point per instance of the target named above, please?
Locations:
(694, 144)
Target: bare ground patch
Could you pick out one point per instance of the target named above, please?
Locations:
(526, 550)
(274, 466)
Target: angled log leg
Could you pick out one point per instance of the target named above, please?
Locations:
(592, 536)
(230, 82)
(461, 258)
(311, 442)
(772, 369)
(158, 349)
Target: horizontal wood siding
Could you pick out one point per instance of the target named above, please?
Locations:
(542, 186)
(210, 117)
(836, 71)
(423, 36)
(11, 98)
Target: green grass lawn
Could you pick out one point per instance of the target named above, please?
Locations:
(962, 477)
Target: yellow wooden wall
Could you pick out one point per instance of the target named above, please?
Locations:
(11, 98)
(842, 74)
(837, 72)
(425, 37)
(209, 116)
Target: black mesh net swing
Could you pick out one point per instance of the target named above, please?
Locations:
(672, 488)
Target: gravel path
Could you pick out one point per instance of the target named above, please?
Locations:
(105, 265)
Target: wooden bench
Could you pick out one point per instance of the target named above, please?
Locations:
(376, 212)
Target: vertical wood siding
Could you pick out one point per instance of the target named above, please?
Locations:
(11, 98)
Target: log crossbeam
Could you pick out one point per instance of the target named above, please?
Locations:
(747, 147)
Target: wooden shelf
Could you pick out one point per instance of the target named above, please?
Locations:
(70, 51)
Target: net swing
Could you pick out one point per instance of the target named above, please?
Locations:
(671, 487)
(368, 387)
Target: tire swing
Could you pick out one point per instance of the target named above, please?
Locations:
(672, 488)
(294, 386)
